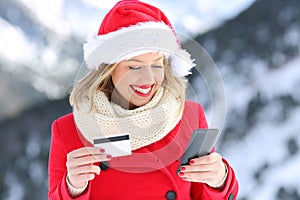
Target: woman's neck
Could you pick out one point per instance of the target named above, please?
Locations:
(121, 101)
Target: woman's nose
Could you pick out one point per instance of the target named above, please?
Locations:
(148, 75)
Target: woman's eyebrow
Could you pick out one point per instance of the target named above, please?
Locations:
(158, 58)
(140, 61)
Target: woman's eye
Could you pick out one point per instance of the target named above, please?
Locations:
(134, 67)
(157, 66)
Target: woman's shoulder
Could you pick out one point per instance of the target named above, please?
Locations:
(190, 102)
(67, 118)
(192, 106)
(65, 121)
(194, 112)
(64, 127)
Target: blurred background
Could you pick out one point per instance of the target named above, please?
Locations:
(255, 45)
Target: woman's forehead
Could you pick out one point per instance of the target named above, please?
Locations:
(146, 57)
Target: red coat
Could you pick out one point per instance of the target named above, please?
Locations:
(117, 182)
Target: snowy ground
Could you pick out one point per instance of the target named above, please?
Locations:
(268, 157)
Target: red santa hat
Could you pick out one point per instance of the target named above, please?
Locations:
(132, 28)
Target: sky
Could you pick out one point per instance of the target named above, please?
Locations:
(189, 17)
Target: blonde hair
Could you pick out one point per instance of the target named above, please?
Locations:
(101, 80)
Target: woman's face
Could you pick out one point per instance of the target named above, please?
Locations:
(136, 80)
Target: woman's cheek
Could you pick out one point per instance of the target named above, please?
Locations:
(160, 76)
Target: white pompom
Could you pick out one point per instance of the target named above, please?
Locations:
(181, 63)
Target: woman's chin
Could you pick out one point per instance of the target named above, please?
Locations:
(135, 104)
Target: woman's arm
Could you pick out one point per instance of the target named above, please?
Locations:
(203, 191)
(227, 192)
(57, 172)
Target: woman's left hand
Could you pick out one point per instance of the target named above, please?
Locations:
(208, 169)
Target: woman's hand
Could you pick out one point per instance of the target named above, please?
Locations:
(80, 165)
(208, 169)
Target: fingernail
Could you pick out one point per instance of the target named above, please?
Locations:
(192, 162)
(102, 150)
(181, 174)
(182, 168)
(108, 156)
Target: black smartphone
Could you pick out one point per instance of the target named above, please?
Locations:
(200, 144)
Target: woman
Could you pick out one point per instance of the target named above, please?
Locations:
(136, 86)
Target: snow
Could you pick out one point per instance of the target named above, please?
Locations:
(184, 15)
(48, 13)
(66, 18)
(286, 80)
(266, 142)
(12, 39)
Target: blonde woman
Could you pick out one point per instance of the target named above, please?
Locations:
(135, 85)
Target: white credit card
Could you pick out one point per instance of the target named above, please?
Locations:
(114, 145)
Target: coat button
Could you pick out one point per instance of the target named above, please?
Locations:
(171, 195)
(104, 165)
(231, 197)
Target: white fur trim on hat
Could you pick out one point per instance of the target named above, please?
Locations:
(144, 37)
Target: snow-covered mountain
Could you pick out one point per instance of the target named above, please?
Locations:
(258, 56)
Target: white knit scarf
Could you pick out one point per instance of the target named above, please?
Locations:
(145, 125)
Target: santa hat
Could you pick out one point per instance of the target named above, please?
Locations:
(132, 28)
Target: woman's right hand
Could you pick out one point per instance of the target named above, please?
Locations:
(80, 165)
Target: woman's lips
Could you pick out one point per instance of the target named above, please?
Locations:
(142, 90)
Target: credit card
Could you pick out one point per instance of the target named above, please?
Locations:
(114, 145)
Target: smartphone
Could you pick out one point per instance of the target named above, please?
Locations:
(200, 144)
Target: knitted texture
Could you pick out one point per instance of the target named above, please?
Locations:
(145, 125)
